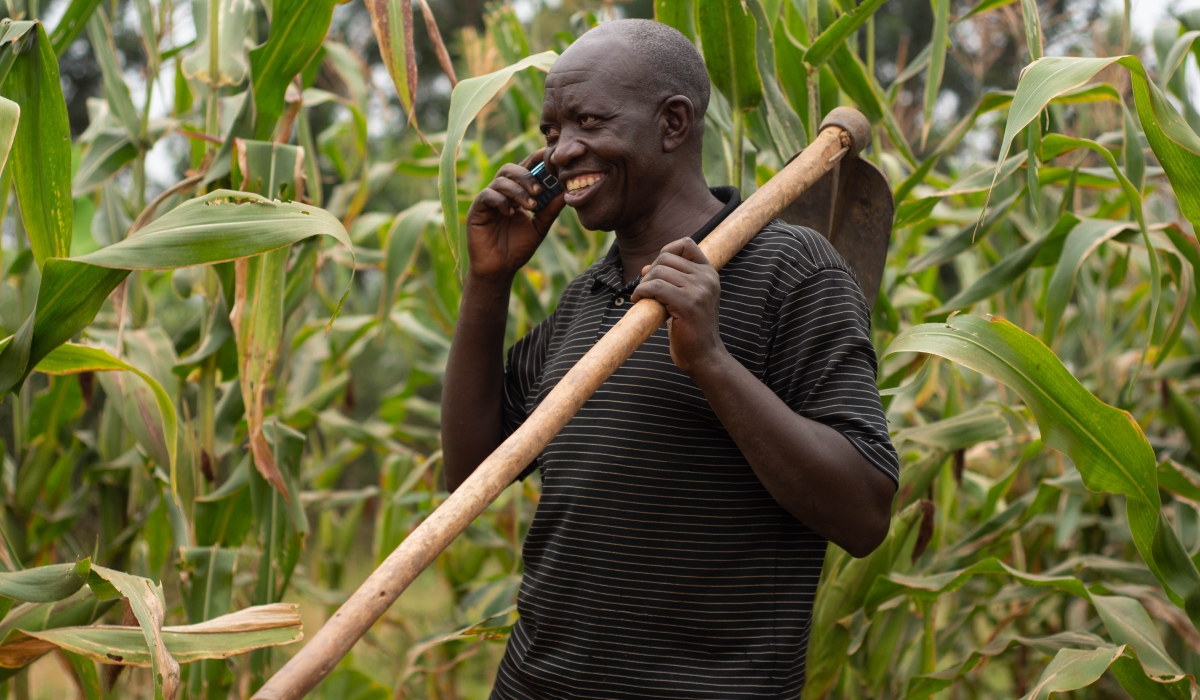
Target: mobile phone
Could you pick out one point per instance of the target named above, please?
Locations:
(551, 187)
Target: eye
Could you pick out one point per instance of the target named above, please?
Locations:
(588, 120)
(549, 131)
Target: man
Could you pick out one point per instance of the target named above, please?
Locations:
(685, 510)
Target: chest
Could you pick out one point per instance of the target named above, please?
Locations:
(648, 386)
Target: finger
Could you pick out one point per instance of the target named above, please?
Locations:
(520, 175)
(492, 199)
(678, 278)
(675, 262)
(661, 291)
(534, 158)
(543, 218)
(687, 249)
(514, 191)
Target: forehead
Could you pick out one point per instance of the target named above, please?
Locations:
(600, 68)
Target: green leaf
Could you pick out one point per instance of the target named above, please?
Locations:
(1083, 240)
(1176, 57)
(980, 179)
(843, 590)
(680, 14)
(41, 154)
(145, 598)
(274, 170)
(392, 22)
(1134, 159)
(914, 211)
(116, 92)
(45, 584)
(1172, 476)
(984, 6)
(469, 97)
(234, 22)
(1174, 143)
(72, 23)
(85, 675)
(784, 125)
(257, 319)
(298, 27)
(109, 151)
(281, 527)
(1001, 275)
(979, 424)
(790, 70)
(1033, 29)
(223, 517)
(229, 635)
(1057, 144)
(1073, 669)
(932, 586)
(1106, 444)
(403, 238)
(926, 685)
(208, 591)
(939, 43)
(967, 236)
(727, 37)
(75, 359)
(1128, 623)
(111, 221)
(257, 314)
(150, 36)
(201, 231)
(10, 115)
(835, 35)
(1139, 681)
(864, 89)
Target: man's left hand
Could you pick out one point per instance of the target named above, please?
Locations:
(682, 279)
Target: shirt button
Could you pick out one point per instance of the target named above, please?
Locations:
(620, 301)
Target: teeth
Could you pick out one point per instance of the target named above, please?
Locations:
(579, 183)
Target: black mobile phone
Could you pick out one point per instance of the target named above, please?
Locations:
(551, 187)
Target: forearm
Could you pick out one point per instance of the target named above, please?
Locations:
(808, 467)
(473, 389)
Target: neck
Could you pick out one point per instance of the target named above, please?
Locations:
(682, 208)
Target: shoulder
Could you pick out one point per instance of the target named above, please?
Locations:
(789, 253)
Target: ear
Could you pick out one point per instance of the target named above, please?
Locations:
(677, 116)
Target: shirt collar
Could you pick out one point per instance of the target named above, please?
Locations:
(610, 274)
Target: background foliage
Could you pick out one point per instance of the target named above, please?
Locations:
(225, 406)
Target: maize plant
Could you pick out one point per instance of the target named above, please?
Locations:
(221, 384)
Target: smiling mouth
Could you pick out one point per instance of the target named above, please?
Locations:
(578, 184)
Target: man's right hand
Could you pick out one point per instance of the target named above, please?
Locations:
(501, 236)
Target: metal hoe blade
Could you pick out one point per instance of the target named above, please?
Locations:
(852, 206)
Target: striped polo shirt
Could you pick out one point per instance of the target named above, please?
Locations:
(657, 565)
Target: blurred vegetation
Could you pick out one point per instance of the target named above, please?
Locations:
(228, 433)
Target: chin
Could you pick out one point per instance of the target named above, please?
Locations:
(594, 220)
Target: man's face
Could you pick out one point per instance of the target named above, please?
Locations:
(603, 140)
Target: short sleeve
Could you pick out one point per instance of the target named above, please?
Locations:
(522, 374)
(822, 364)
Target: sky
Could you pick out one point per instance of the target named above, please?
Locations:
(1146, 14)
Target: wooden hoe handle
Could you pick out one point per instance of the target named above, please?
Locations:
(844, 132)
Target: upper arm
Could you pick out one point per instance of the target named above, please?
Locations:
(523, 372)
(822, 365)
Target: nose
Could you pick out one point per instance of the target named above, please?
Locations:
(566, 150)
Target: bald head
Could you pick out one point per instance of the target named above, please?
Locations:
(623, 116)
(667, 62)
